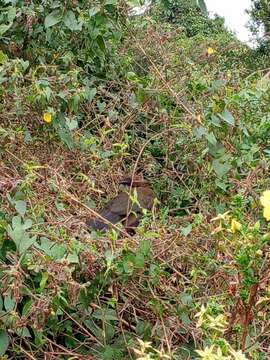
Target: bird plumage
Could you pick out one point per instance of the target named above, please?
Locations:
(121, 208)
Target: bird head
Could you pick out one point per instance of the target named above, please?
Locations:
(138, 180)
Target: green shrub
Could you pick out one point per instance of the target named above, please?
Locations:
(189, 15)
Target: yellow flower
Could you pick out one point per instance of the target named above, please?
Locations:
(265, 201)
(265, 198)
(266, 213)
(210, 51)
(47, 117)
(235, 226)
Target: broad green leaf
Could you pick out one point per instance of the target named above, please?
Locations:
(90, 93)
(16, 221)
(52, 19)
(93, 11)
(43, 281)
(71, 22)
(101, 43)
(26, 243)
(11, 14)
(95, 329)
(211, 138)
(221, 184)
(45, 245)
(28, 224)
(27, 307)
(186, 230)
(202, 5)
(186, 298)
(21, 207)
(139, 261)
(220, 168)
(145, 247)
(72, 124)
(4, 28)
(227, 117)
(9, 303)
(215, 120)
(58, 251)
(4, 342)
(105, 314)
(66, 137)
(73, 258)
(185, 318)
(23, 332)
(3, 57)
(199, 132)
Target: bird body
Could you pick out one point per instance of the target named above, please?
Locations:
(123, 208)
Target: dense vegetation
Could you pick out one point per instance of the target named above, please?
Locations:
(260, 23)
(88, 95)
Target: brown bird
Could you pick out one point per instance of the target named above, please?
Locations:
(122, 209)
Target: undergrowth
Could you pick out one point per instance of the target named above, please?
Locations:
(188, 111)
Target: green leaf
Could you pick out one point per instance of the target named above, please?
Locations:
(21, 207)
(26, 243)
(45, 245)
(185, 318)
(105, 314)
(71, 22)
(221, 184)
(23, 332)
(220, 168)
(227, 117)
(43, 281)
(11, 14)
(202, 5)
(66, 137)
(186, 298)
(18, 233)
(58, 251)
(52, 19)
(211, 138)
(4, 342)
(28, 224)
(9, 302)
(3, 57)
(101, 43)
(139, 261)
(27, 307)
(93, 11)
(71, 124)
(186, 230)
(4, 28)
(73, 258)
(145, 247)
(199, 132)
(90, 93)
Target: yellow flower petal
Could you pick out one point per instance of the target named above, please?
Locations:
(47, 117)
(235, 226)
(265, 198)
(266, 213)
(210, 51)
